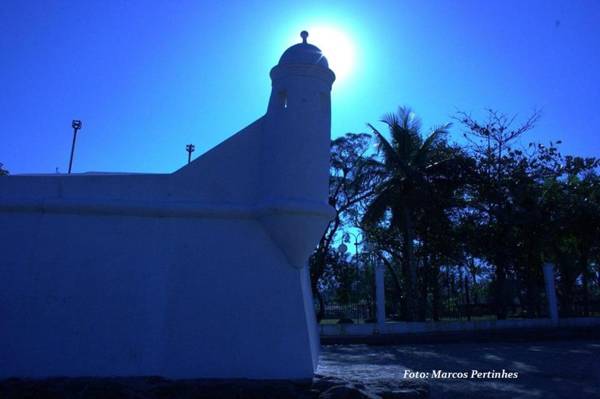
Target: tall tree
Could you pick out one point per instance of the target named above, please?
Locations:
(353, 174)
(501, 171)
(412, 164)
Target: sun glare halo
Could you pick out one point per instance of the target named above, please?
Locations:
(336, 46)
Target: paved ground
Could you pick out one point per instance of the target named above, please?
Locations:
(549, 370)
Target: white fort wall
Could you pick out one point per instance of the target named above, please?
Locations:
(196, 274)
(181, 297)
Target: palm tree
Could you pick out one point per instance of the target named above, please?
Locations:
(411, 165)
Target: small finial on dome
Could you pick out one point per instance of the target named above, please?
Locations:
(304, 35)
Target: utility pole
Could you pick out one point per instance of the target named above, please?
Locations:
(76, 125)
(190, 148)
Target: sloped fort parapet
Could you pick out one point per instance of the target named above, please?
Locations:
(200, 273)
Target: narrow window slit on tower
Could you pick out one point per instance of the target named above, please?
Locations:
(283, 98)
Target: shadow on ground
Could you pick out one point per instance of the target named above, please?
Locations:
(549, 370)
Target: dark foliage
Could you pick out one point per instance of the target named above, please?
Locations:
(460, 227)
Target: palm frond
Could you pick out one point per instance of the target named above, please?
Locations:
(390, 156)
(409, 119)
(390, 119)
(426, 149)
(405, 133)
(377, 208)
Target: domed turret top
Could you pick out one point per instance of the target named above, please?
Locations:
(304, 54)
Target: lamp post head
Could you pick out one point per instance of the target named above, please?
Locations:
(76, 124)
(190, 147)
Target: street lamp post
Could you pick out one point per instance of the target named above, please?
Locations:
(76, 125)
(355, 245)
(190, 148)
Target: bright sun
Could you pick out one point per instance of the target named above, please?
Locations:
(337, 48)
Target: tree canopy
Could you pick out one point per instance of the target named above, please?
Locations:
(460, 225)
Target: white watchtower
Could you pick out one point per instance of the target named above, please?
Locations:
(298, 123)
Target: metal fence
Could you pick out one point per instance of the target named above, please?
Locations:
(364, 312)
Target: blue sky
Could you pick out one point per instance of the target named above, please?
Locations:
(147, 77)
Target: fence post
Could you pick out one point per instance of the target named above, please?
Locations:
(551, 292)
(380, 294)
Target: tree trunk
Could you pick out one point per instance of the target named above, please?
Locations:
(409, 265)
(395, 279)
(568, 276)
(436, 305)
(452, 294)
(500, 288)
(467, 296)
(532, 269)
(424, 284)
(585, 280)
(321, 311)
(473, 272)
(317, 267)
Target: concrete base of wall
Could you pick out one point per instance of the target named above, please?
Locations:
(437, 332)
